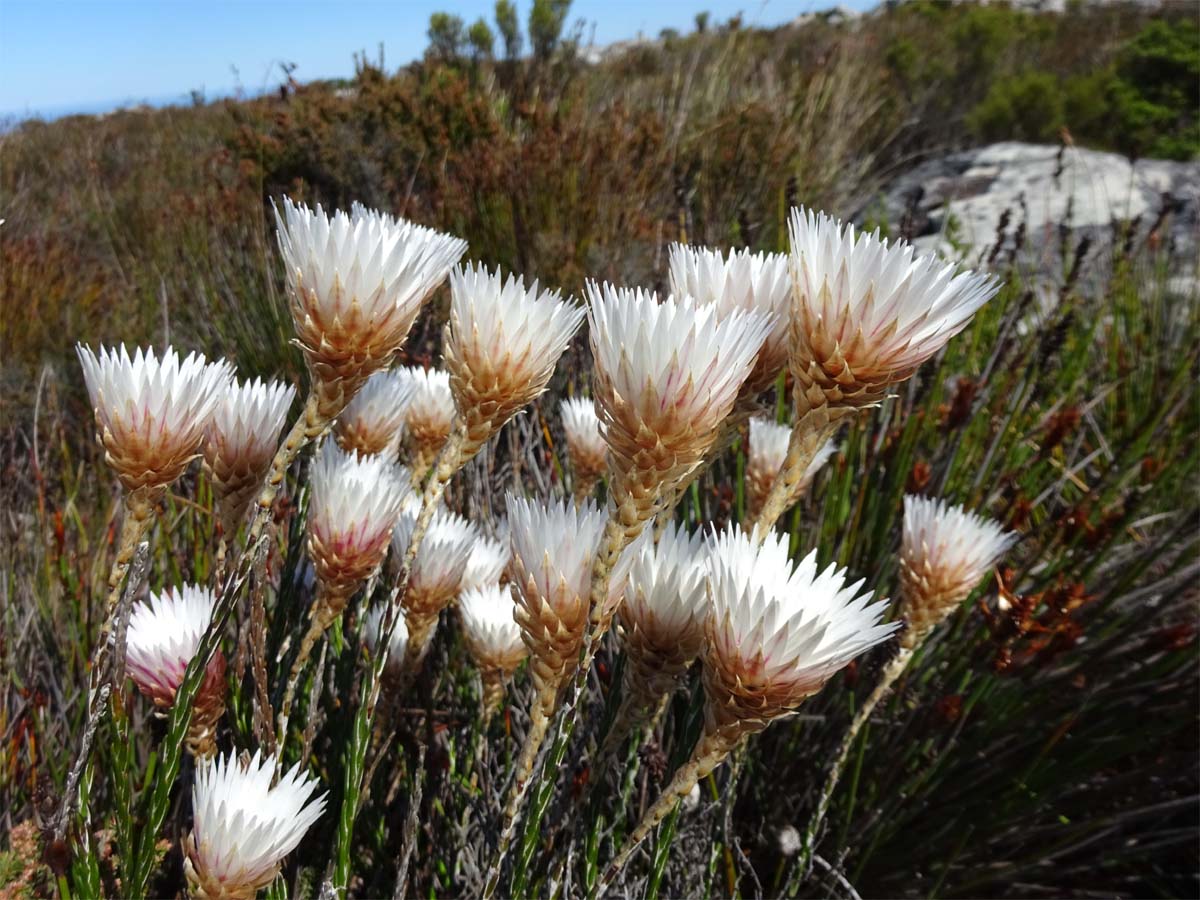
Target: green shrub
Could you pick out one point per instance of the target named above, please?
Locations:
(1028, 107)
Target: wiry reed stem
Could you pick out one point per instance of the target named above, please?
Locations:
(108, 655)
(539, 725)
(264, 716)
(451, 458)
(887, 678)
(712, 749)
(325, 612)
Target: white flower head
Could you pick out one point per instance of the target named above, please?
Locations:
(486, 564)
(372, 421)
(666, 594)
(585, 440)
(355, 502)
(429, 415)
(740, 280)
(357, 280)
(241, 440)
(442, 557)
(503, 341)
(880, 307)
(768, 450)
(944, 552)
(781, 629)
(243, 433)
(243, 826)
(151, 412)
(554, 546)
(163, 637)
(491, 631)
(371, 627)
(672, 368)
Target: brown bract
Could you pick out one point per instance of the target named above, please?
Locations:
(343, 563)
(743, 699)
(552, 627)
(928, 595)
(344, 351)
(833, 363)
(489, 390)
(147, 458)
(357, 436)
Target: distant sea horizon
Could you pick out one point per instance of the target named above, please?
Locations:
(104, 107)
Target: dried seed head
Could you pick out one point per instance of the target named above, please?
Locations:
(371, 422)
(502, 343)
(777, 632)
(944, 553)
(240, 441)
(151, 413)
(746, 281)
(243, 826)
(356, 283)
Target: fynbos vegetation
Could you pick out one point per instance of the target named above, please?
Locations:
(744, 552)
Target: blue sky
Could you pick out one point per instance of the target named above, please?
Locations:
(59, 56)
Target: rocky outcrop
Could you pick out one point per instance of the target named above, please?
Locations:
(1030, 199)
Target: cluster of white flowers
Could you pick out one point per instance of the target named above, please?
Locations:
(848, 312)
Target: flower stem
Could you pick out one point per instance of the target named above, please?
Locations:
(711, 750)
(539, 724)
(809, 434)
(451, 458)
(891, 672)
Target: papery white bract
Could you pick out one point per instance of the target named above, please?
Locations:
(151, 412)
(358, 280)
(486, 564)
(443, 554)
(502, 343)
(492, 633)
(372, 421)
(162, 638)
(948, 538)
(944, 552)
(666, 596)
(243, 826)
(781, 628)
(884, 307)
(430, 413)
(767, 452)
(241, 439)
(741, 280)
(355, 503)
(585, 440)
(370, 634)
(676, 365)
(554, 546)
